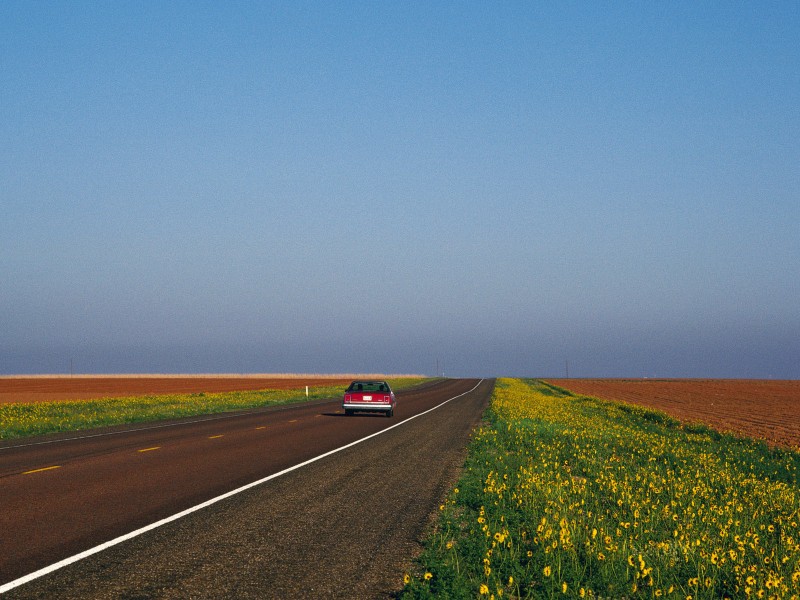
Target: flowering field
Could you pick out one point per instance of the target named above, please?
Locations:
(25, 419)
(571, 496)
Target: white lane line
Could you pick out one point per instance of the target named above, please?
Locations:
(128, 536)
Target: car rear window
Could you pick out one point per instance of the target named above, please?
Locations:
(368, 386)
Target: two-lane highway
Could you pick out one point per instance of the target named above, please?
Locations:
(63, 497)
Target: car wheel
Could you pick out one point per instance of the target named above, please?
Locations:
(389, 412)
(347, 412)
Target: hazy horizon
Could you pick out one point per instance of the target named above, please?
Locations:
(312, 187)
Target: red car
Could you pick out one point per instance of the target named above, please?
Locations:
(372, 396)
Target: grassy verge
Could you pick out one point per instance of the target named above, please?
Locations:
(22, 419)
(566, 496)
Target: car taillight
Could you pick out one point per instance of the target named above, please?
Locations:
(347, 397)
(386, 399)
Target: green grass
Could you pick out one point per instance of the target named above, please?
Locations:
(566, 496)
(27, 419)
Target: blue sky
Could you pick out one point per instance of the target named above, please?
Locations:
(372, 187)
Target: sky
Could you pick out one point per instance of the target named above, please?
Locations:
(497, 188)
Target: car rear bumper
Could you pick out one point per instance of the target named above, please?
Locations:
(377, 406)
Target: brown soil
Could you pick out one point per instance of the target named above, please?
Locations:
(46, 389)
(764, 409)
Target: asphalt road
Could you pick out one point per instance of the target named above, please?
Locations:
(343, 526)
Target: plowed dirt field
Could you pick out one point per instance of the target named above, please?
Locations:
(45, 389)
(764, 409)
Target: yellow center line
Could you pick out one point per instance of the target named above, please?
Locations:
(42, 469)
(262, 427)
(213, 437)
(149, 449)
(293, 421)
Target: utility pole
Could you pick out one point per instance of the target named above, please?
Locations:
(566, 367)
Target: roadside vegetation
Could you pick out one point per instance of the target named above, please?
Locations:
(26, 419)
(566, 496)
